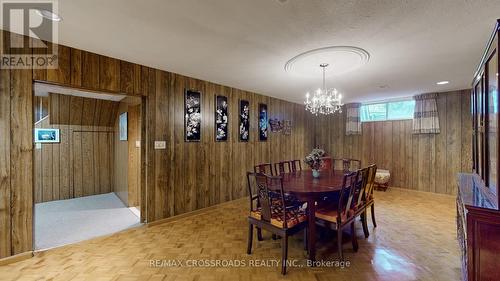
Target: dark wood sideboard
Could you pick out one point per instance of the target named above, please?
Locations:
(478, 216)
(478, 229)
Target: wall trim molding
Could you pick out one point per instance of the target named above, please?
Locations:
(16, 258)
(194, 213)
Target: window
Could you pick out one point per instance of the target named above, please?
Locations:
(395, 110)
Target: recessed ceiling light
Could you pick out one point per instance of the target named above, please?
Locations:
(49, 15)
(443, 82)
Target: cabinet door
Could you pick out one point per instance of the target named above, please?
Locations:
(492, 124)
(478, 89)
(473, 111)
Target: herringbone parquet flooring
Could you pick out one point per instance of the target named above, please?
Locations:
(415, 240)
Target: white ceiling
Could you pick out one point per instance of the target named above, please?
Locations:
(245, 43)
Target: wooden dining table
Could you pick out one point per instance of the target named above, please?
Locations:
(306, 188)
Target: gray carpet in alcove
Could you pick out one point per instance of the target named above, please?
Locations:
(64, 222)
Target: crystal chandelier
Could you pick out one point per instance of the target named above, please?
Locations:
(324, 101)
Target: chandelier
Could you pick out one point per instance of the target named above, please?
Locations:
(324, 101)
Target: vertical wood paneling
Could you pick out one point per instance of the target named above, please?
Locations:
(453, 140)
(421, 162)
(76, 67)
(109, 74)
(90, 70)
(21, 149)
(62, 73)
(182, 178)
(5, 175)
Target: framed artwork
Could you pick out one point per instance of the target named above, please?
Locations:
(287, 127)
(275, 125)
(244, 127)
(221, 118)
(192, 115)
(123, 125)
(47, 135)
(263, 122)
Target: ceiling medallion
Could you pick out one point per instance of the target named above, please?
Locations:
(324, 101)
(342, 59)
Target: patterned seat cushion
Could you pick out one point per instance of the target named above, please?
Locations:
(331, 215)
(382, 176)
(293, 217)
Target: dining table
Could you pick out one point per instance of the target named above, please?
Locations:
(309, 189)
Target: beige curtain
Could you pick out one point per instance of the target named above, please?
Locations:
(425, 119)
(353, 120)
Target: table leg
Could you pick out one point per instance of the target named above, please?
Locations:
(311, 239)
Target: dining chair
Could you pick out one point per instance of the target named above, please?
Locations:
(340, 164)
(367, 200)
(265, 168)
(326, 164)
(343, 214)
(254, 200)
(274, 214)
(282, 167)
(353, 164)
(296, 165)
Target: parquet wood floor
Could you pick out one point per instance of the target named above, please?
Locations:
(415, 240)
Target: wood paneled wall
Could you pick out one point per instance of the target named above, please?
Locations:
(190, 176)
(182, 178)
(127, 155)
(424, 162)
(134, 156)
(81, 164)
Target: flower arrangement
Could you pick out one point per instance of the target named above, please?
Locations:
(314, 158)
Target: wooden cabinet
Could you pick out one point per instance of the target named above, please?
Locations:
(478, 215)
(484, 108)
(478, 229)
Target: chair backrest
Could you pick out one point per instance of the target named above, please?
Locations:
(363, 182)
(353, 164)
(370, 181)
(252, 191)
(345, 204)
(282, 167)
(326, 164)
(341, 164)
(265, 168)
(296, 165)
(264, 182)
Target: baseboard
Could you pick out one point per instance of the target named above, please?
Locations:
(193, 213)
(420, 191)
(16, 258)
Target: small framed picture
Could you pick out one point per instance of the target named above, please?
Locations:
(221, 118)
(123, 126)
(244, 126)
(47, 135)
(263, 122)
(192, 115)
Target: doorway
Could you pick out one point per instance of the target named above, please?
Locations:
(87, 160)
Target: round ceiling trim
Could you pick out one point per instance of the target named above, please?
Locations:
(362, 57)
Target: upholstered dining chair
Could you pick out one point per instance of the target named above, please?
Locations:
(326, 164)
(282, 167)
(353, 164)
(340, 164)
(340, 215)
(265, 168)
(254, 200)
(274, 214)
(296, 165)
(367, 200)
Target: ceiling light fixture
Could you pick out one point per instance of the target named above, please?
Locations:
(48, 15)
(324, 101)
(443, 82)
